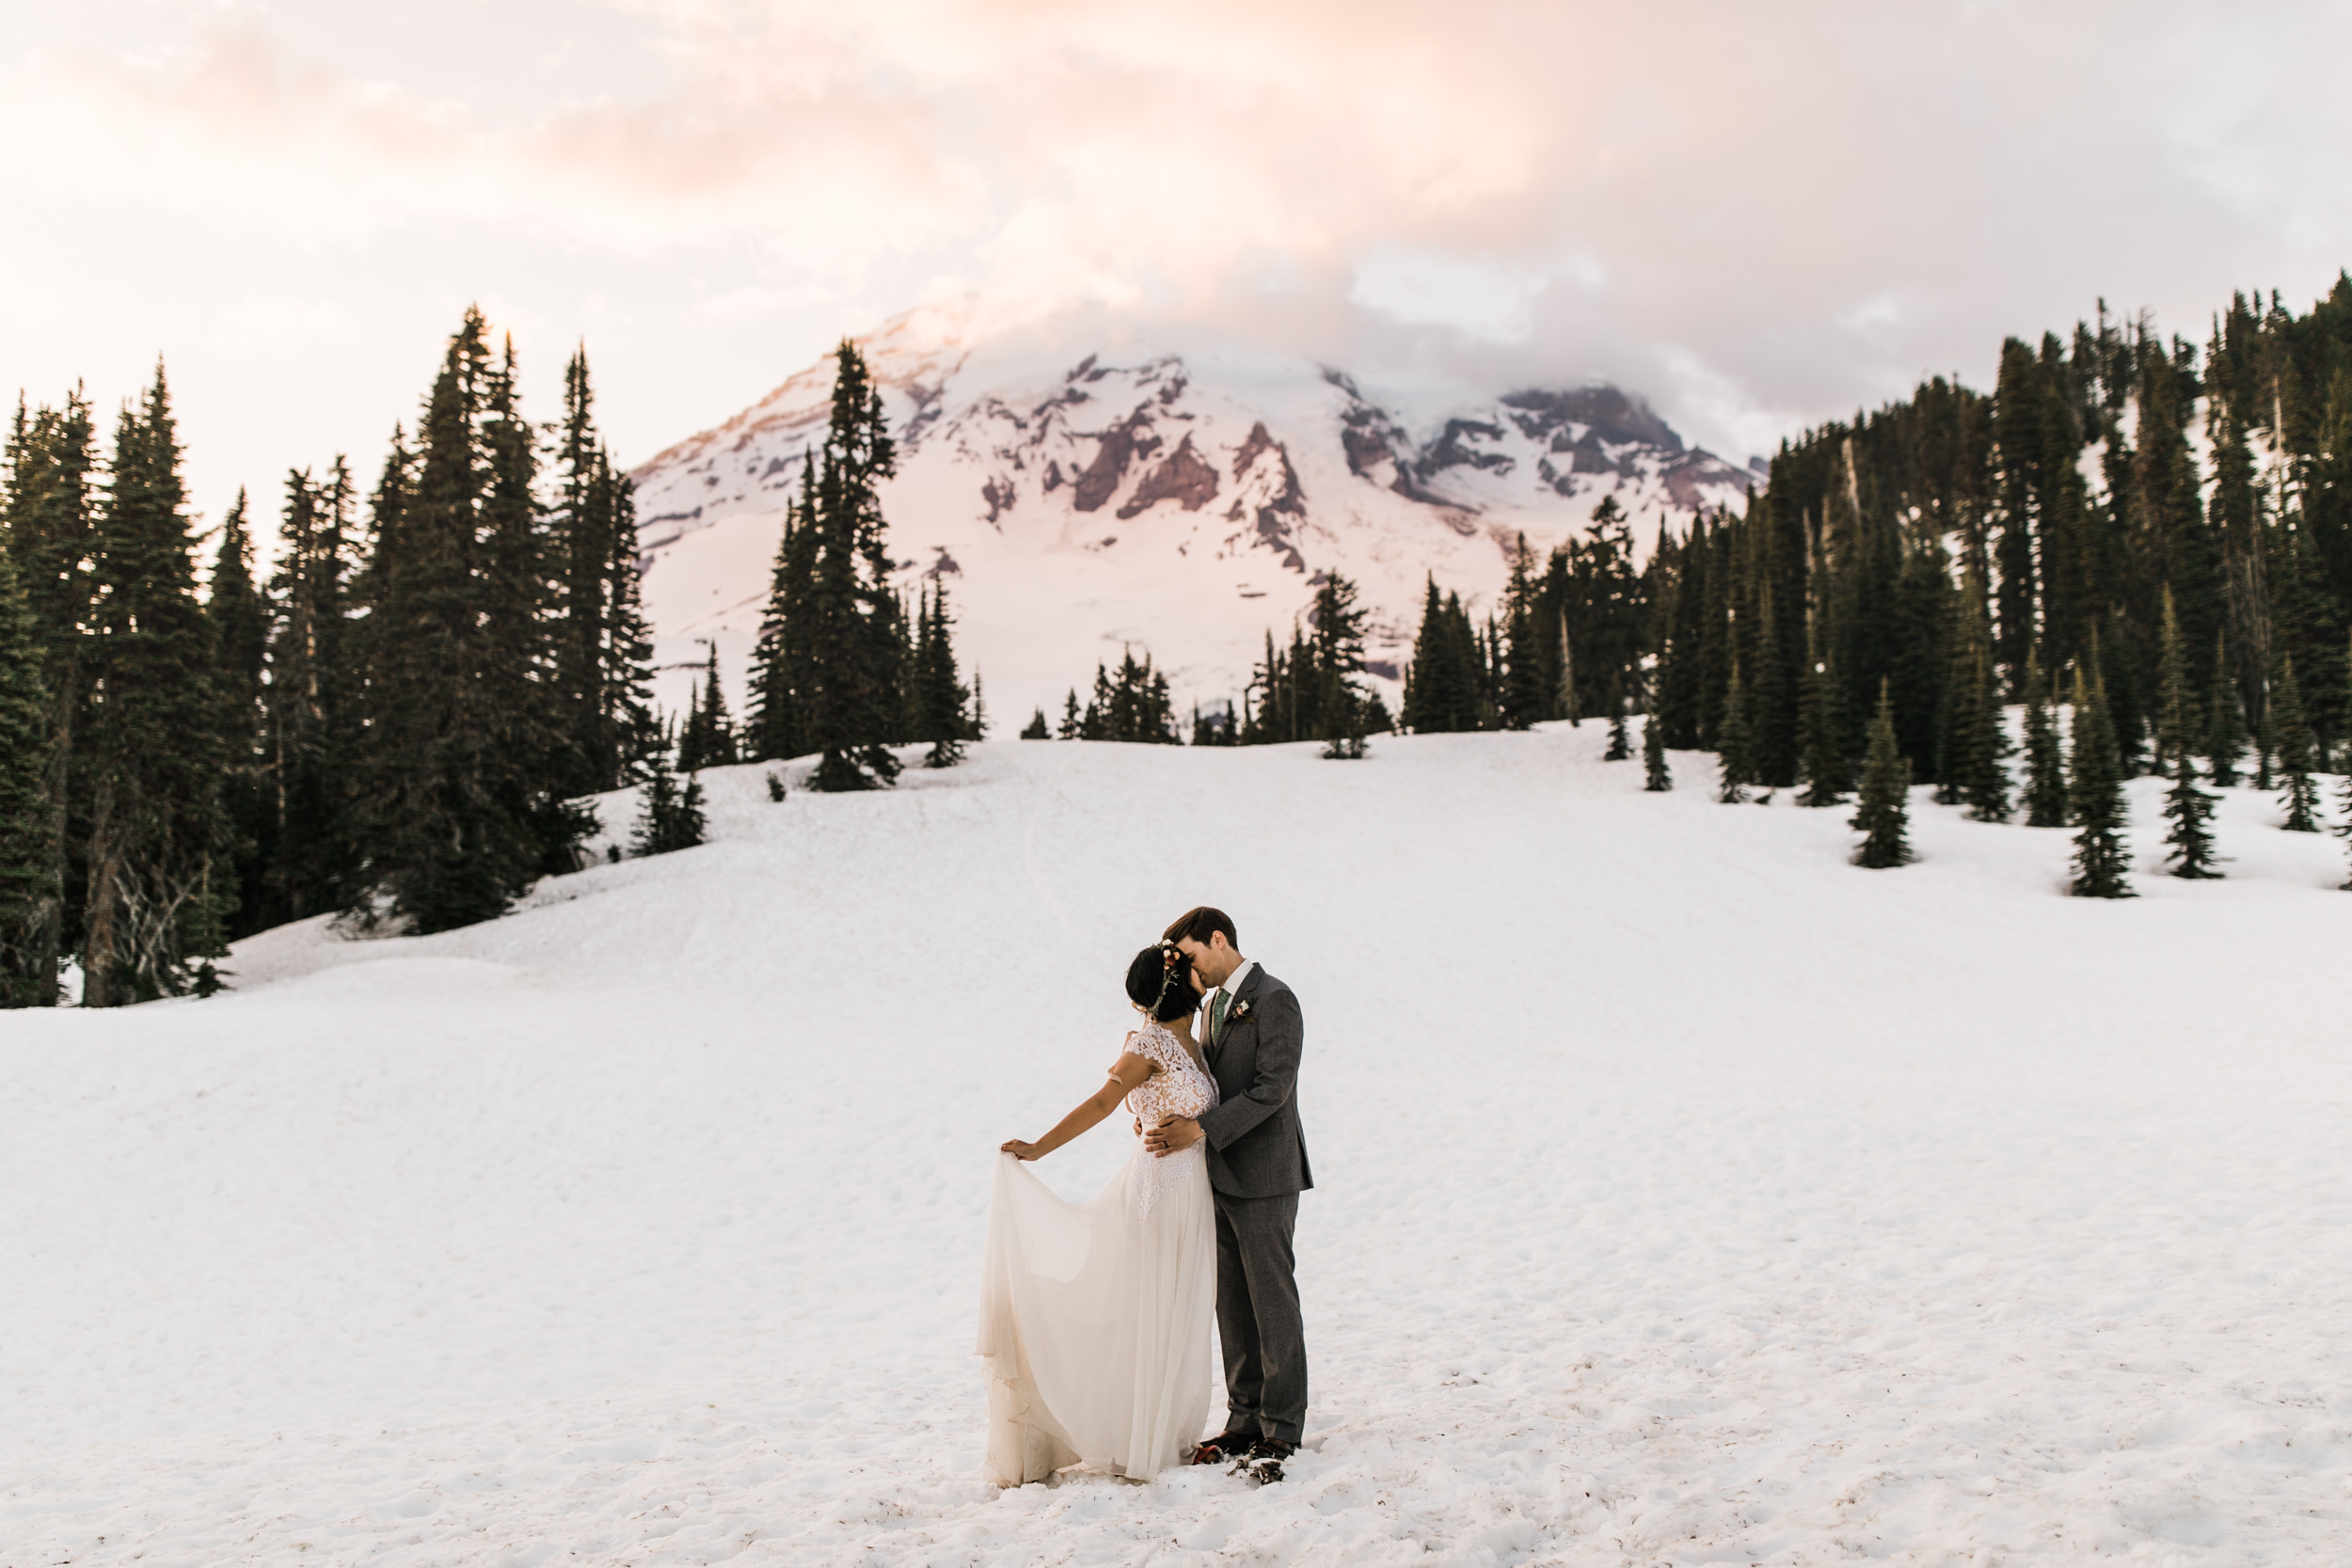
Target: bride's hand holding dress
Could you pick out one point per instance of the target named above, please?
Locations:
(1094, 1316)
(1127, 1076)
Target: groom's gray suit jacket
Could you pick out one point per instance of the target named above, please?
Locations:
(1256, 1146)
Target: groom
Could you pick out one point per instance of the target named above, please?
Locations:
(1258, 1165)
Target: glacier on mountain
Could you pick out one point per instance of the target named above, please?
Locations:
(1183, 498)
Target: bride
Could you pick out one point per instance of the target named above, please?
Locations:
(1094, 1316)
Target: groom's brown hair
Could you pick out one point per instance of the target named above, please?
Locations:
(1197, 924)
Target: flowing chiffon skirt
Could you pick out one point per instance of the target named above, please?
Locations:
(1095, 1321)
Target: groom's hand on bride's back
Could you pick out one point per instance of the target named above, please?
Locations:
(1172, 1136)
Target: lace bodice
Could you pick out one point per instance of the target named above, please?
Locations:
(1180, 1088)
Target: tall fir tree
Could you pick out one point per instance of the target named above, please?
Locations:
(534, 766)
(158, 872)
(1131, 705)
(669, 818)
(851, 701)
(1446, 673)
(465, 763)
(1734, 743)
(780, 662)
(940, 707)
(1526, 695)
(50, 516)
(2095, 795)
(1985, 747)
(2188, 813)
(1882, 808)
(2045, 759)
(2292, 734)
(1821, 751)
(707, 739)
(2225, 731)
(311, 707)
(1656, 776)
(240, 627)
(2177, 725)
(28, 880)
(602, 676)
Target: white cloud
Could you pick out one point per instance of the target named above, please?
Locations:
(1758, 215)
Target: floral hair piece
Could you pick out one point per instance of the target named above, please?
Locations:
(1171, 958)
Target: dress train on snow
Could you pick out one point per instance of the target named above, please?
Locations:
(1095, 1316)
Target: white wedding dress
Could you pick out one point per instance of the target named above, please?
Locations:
(1095, 1316)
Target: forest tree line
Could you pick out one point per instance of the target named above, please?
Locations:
(2038, 530)
(399, 723)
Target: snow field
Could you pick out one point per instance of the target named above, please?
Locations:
(1685, 1195)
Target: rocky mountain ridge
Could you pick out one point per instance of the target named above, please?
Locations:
(1184, 500)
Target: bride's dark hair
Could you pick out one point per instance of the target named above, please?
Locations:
(1160, 980)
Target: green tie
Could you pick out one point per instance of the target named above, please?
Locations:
(1216, 1014)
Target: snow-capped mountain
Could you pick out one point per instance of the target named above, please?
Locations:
(1179, 498)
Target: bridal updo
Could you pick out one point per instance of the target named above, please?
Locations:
(1160, 982)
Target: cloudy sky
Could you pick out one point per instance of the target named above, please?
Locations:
(1758, 214)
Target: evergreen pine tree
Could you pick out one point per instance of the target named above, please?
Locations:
(2293, 732)
(1620, 744)
(1655, 774)
(50, 517)
(1985, 786)
(2189, 808)
(780, 662)
(1341, 716)
(2045, 762)
(603, 672)
(1820, 757)
(852, 702)
(940, 706)
(2225, 731)
(240, 622)
(2095, 795)
(2177, 726)
(240, 627)
(690, 744)
(670, 818)
(460, 799)
(28, 883)
(656, 810)
(1882, 810)
(707, 738)
(1037, 729)
(1525, 695)
(158, 872)
(1423, 676)
(689, 827)
(530, 763)
(1734, 745)
(1973, 742)
(309, 706)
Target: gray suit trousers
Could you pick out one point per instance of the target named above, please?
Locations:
(1257, 1317)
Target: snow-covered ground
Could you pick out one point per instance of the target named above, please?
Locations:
(1687, 1196)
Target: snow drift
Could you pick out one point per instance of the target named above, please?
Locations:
(1685, 1195)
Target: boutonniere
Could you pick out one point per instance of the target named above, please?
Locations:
(1236, 1013)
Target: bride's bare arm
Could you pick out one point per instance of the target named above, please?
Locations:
(1126, 1073)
